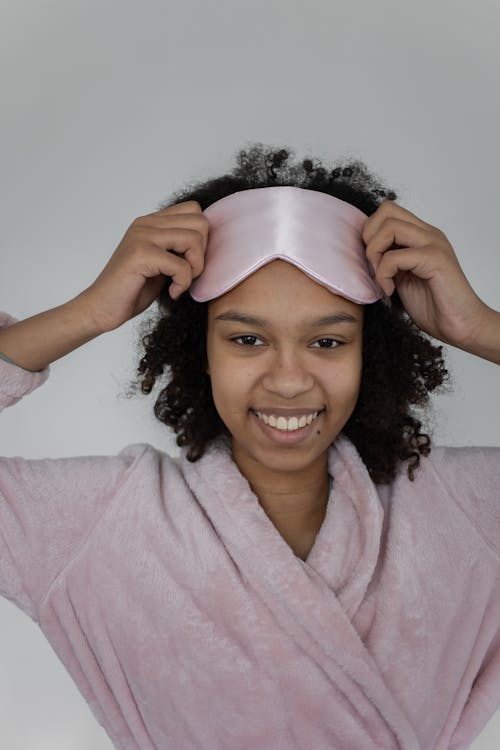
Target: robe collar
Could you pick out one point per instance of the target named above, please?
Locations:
(346, 548)
(313, 602)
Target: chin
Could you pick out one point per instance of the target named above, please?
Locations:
(281, 457)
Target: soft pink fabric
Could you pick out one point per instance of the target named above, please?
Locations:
(318, 233)
(188, 623)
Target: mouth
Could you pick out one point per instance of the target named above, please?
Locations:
(288, 431)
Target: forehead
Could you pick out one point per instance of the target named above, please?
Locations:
(280, 288)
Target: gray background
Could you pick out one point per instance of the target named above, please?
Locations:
(107, 107)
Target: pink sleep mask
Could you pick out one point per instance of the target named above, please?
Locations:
(316, 232)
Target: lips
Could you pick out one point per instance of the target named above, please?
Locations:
(287, 413)
(287, 419)
(290, 424)
(287, 437)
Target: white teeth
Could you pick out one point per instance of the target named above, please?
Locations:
(287, 425)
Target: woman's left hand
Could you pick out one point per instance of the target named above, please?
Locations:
(417, 260)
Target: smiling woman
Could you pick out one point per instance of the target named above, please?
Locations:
(308, 572)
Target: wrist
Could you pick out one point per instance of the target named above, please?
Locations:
(80, 309)
(486, 341)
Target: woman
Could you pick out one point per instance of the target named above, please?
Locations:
(308, 573)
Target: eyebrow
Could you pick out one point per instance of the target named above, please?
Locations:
(326, 320)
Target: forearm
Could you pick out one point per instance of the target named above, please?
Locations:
(37, 341)
(486, 343)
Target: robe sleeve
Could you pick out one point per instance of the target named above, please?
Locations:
(471, 476)
(48, 507)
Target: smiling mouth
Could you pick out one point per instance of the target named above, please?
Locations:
(288, 424)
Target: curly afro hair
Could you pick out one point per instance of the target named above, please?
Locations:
(400, 364)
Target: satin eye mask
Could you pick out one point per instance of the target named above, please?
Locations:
(318, 233)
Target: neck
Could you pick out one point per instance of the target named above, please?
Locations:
(294, 501)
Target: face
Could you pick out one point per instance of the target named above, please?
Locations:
(269, 353)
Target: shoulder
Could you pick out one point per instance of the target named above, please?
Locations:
(470, 477)
(137, 455)
(472, 466)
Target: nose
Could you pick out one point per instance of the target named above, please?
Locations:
(287, 376)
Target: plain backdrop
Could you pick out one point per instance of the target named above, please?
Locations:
(107, 107)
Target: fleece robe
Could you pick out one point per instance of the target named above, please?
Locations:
(188, 623)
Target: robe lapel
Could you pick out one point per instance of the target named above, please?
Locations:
(314, 601)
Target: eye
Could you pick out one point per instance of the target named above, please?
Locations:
(325, 343)
(247, 340)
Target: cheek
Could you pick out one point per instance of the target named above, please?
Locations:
(231, 388)
(343, 383)
(353, 385)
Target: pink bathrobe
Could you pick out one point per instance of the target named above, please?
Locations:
(188, 623)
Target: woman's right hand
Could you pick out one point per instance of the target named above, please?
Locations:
(171, 242)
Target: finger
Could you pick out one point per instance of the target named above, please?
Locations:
(387, 210)
(195, 256)
(178, 269)
(185, 207)
(191, 245)
(420, 261)
(189, 222)
(187, 244)
(395, 232)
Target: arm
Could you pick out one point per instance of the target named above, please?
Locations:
(37, 341)
(170, 243)
(49, 507)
